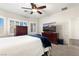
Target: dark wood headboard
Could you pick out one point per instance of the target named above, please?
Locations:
(21, 30)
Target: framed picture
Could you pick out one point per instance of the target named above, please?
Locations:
(50, 27)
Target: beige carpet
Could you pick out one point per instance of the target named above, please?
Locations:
(64, 50)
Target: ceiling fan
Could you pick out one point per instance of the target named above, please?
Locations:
(34, 8)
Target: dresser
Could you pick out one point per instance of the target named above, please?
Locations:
(52, 36)
(21, 30)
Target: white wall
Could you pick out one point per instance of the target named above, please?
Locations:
(64, 21)
(75, 28)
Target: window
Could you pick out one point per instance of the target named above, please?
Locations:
(33, 27)
(13, 23)
(1, 22)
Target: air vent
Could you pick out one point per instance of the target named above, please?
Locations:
(65, 8)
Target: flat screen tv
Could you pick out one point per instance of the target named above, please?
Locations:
(50, 28)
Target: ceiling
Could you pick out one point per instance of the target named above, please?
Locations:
(51, 8)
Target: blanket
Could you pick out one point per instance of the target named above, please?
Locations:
(44, 40)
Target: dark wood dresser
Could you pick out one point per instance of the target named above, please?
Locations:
(21, 30)
(52, 36)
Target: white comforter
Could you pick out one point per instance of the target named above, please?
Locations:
(21, 46)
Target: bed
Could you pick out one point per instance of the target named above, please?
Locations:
(21, 46)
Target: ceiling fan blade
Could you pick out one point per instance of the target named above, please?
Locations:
(31, 12)
(33, 5)
(41, 7)
(39, 12)
(26, 8)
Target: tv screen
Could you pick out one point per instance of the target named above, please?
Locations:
(49, 28)
(46, 28)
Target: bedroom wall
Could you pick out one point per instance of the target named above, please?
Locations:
(75, 28)
(65, 23)
(6, 15)
(75, 31)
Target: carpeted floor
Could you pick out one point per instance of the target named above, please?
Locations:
(64, 50)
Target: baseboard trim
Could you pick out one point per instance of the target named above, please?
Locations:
(74, 42)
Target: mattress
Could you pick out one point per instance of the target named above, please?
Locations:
(21, 46)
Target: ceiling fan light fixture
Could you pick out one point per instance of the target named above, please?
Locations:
(34, 10)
